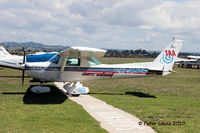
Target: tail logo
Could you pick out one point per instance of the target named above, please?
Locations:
(168, 57)
(170, 53)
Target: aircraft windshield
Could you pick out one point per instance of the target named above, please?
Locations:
(93, 61)
(55, 59)
(76, 61)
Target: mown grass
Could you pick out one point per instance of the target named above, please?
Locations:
(24, 112)
(172, 98)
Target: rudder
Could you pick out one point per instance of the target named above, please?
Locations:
(167, 57)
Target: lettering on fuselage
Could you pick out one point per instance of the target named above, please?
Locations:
(98, 74)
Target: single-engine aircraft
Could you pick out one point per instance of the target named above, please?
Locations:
(192, 62)
(14, 61)
(77, 64)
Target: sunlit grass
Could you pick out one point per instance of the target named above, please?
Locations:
(24, 112)
(172, 98)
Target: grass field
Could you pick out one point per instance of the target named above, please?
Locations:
(170, 99)
(173, 98)
(23, 112)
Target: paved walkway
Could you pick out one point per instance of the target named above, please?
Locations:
(111, 119)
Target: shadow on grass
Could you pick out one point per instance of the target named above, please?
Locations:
(13, 93)
(53, 97)
(34, 80)
(13, 76)
(137, 94)
(140, 94)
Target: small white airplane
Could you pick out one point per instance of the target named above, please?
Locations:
(15, 61)
(8, 60)
(192, 62)
(78, 64)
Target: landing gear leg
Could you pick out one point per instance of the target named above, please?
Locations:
(76, 89)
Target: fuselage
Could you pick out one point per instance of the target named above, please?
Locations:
(48, 71)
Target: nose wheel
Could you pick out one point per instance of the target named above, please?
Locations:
(76, 89)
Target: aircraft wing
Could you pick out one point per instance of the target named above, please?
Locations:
(183, 59)
(193, 57)
(83, 52)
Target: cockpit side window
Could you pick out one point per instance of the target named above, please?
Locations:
(73, 62)
(93, 61)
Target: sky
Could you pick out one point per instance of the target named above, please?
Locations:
(115, 24)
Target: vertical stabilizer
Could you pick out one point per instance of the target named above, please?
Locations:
(167, 57)
(3, 52)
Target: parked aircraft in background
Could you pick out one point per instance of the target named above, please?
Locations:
(78, 64)
(15, 61)
(192, 62)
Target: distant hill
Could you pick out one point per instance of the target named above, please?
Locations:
(32, 46)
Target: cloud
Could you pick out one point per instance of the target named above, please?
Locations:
(127, 12)
(111, 24)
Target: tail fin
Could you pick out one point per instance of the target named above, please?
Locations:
(167, 57)
(3, 52)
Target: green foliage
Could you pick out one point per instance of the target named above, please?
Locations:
(130, 53)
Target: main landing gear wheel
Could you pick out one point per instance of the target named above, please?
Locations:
(76, 89)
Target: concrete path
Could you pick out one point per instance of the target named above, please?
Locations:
(111, 119)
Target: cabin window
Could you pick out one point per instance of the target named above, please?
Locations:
(93, 61)
(73, 62)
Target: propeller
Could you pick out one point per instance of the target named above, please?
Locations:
(24, 61)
